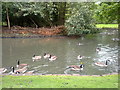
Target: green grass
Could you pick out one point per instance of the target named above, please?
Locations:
(107, 25)
(49, 81)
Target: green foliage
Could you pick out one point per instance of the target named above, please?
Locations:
(12, 9)
(80, 22)
(36, 14)
(107, 12)
(42, 14)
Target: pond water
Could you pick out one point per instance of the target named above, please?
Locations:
(66, 49)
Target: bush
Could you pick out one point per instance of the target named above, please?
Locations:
(80, 22)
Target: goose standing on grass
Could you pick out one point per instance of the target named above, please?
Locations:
(75, 67)
(18, 71)
(52, 58)
(3, 70)
(101, 64)
(46, 55)
(21, 65)
(35, 58)
(79, 57)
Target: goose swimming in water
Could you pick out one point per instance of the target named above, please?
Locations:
(20, 65)
(52, 58)
(3, 70)
(46, 55)
(79, 57)
(98, 49)
(115, 39)
(80, 44)
(75, 67)
(35, 58)
(29, 72)
(101, 64)
(18, 71)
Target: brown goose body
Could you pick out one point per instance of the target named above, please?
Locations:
(101, 64)
(20, 66)
(52, 58)
(18, 71)
(75, 67)
(3, 70)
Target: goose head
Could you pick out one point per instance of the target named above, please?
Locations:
(45, 54)
(81, 66)
(98, 49)
(106, 63)
(13, 68)
(18, 62)
(33, 55)
(50, 56)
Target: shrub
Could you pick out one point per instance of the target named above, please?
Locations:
(80, 22)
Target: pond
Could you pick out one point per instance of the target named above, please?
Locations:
(66, 49)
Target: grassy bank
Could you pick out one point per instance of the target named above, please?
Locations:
(49, 81)
(107, 25)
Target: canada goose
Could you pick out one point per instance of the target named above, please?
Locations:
(79, 57)
(29, 72)
(101, 64)
(35, 58)
(52, 58)
(18, 71)
(115, 39)
(46, 55)
(76, 67)
(3, 70)
(98, 49)
(20, 65)
(80, 44)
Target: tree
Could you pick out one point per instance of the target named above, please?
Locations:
(40, 14)
(62, 12)
(107, 12)
(80, 21)
(7, 7)
(119, 17)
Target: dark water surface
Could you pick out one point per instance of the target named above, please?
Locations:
(67, 50)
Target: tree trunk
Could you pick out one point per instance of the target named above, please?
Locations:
(36, 26)
(47, 16)
(62, 11)
(8, 20)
